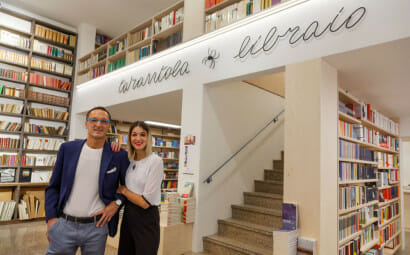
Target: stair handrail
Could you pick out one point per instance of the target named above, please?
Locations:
(274, 120)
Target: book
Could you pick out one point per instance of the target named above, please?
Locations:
(25, 175)
(289, 216)
(187, 189)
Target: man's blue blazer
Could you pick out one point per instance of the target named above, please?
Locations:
(62, 179)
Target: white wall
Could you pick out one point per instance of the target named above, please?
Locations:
(232, 114)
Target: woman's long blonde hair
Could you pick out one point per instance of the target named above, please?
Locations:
(148, 147)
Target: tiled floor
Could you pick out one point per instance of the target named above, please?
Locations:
(30, 239)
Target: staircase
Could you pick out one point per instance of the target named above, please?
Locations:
(249, 231)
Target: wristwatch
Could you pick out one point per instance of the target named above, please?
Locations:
(118, 202)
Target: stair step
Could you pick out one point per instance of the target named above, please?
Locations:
(278, 164)
(268, 200)
(247, 232)
(273, 175)
(269, 186)
(258, 215)
(220, 245)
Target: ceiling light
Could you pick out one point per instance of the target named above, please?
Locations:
(162, 124)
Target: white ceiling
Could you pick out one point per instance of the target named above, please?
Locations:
(380, 75)
(163, 108)
(111, 17)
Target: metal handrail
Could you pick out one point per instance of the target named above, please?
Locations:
(274, 120)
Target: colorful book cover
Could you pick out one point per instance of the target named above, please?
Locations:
(289, 216)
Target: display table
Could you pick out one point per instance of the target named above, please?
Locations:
(174, 240)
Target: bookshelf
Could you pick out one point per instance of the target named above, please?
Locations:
(42, 86)
(366, 132)
(156, 34)
(165, 143)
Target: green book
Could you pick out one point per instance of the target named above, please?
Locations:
(1, 88)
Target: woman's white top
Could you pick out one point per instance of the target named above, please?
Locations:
(144, 178)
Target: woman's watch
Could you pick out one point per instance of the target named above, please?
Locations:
(118, 202)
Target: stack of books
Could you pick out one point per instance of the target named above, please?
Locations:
(7, 210)
(285, 240)
(188, 209)
(170, 213)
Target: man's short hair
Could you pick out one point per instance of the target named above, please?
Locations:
(98, 108)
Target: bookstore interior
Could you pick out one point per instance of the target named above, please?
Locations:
(228, 88)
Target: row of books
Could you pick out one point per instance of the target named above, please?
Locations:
(373, 252)
(171, 165)
(388, 212)
(11, 108)
(42, 129)
(47, 98)
(394, 175)
(13, 74)
(100, 56)
(117, 64)
(367, 135)
(7, 210)
(172, 40)
(368, 235)
(101, 39)
(48, 113)
(170, 175)
(388, 231)
(354, 172)
(211, 3)
(393, 243)
(98, 71)
(169, 184)
(386, 178)
(51, 66)
(9, 143)
(170, 210)
(9, 160)
(385, 160)
(54, 35)
(228, 15)
(354, 151)
(348, 225)
(51, 82)
(265, 4)
(11, 91)
(13, 39)
(51, 50)
(140, 35)
(351, 248)
(43, 144)
(169, 20)
(388, 194)
(38, 160)
(365, 111)
(367, 213)
(9, 126)
(143, 52)
(168, 154)
(85, 64)
(118, 138)
(119, 45)
(188, 209)
(161, 142)
(13, 57)
(353, 196)
(31, 205)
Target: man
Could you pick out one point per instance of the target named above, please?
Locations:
(81, 200)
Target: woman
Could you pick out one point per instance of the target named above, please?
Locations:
(140, 224)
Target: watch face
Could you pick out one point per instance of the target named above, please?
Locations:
(118, 201)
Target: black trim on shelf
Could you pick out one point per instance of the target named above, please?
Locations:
(46, 119)
(39, 151)
(9, 149)
(41, 102)
(12, 80)
(19, 115)
(61, 45)
(12, 97)
(44, 135)
(13, 64)
(10, 132)
(15, 47)
(49, 88)
(51, 72)
(52, 57)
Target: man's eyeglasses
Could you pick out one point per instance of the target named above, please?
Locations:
(94, 121)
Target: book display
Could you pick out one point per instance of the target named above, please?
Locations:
(369, 179)
(162, 31)
(165, 143)
(36, 72)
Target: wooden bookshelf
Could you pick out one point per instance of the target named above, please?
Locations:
(347, 98)
(18, 187)
(220, 6)
(130, 53)
(349, 238)
(391, 252)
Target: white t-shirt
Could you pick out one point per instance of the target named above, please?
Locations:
(144, 178)
(84, 199)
